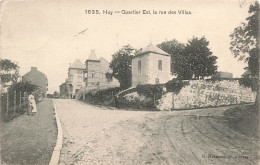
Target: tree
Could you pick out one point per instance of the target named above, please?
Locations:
(202, 62)
(179, 61)
(9, 71)
(121, 65)
(245, 41)
(191, 60)
(56, 94)
(23, 86)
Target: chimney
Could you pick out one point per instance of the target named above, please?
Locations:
(33, 68)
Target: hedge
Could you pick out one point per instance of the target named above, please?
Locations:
(150, 91)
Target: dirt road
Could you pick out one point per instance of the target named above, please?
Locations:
(96, 135)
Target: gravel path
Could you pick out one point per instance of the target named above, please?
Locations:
(94, 135)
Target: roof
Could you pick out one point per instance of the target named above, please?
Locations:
(92, 56)
(247, 72)
(151, 49)
(77, 64)
(103, 59)
(34, 71)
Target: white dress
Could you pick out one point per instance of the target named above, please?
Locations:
(32, 103)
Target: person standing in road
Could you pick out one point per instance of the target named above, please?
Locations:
(32, 103)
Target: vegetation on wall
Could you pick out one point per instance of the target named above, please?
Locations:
(175, 85)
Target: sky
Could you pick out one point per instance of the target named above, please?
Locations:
(45, 33)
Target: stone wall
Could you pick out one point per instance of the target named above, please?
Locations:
(202, 93)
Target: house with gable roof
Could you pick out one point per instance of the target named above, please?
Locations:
(95, 72)
(37, 78)
(151, 65)
(75, 76)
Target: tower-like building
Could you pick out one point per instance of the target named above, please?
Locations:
(95, 72)
(151, 65)
(92, 70)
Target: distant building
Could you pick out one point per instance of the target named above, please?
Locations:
(65, 90)
(151, 65)
(75, 76)
(221, 75)
(247, 74)
(95, 72)
(37, 78)
(92, 70)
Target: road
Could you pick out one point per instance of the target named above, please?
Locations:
(98, 135)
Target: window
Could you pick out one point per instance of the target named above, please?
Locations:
(159, 64)
(139, 66)
(79, 78)
(92, 74)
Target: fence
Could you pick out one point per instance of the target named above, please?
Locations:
(13, 104)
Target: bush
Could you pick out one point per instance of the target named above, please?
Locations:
(175, 85)
(18, 87)
(150, 91)
(100, 96)
(146, 104)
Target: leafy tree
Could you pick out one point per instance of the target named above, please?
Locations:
(56, 94)
(23, 86)
(121, 65)
(202, 62)
(245, 41)
(179, 60)
(191, 60)
(9, 71)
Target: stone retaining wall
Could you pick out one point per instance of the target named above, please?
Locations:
(202, 93)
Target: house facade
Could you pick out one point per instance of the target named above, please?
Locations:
(37, 78)
(151, 65)
(65, 90)
(95, 72)
(75, 76)
(92, 70)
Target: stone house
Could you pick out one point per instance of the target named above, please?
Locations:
(95, 72)
(151, 65)
(92, 70)
(75, 76)
(37, 78)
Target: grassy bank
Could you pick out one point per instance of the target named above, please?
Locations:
(244, 119)
(30, 139)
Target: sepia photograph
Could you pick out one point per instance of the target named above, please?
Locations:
(133, 82)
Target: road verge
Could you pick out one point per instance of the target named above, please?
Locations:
(56, 152)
